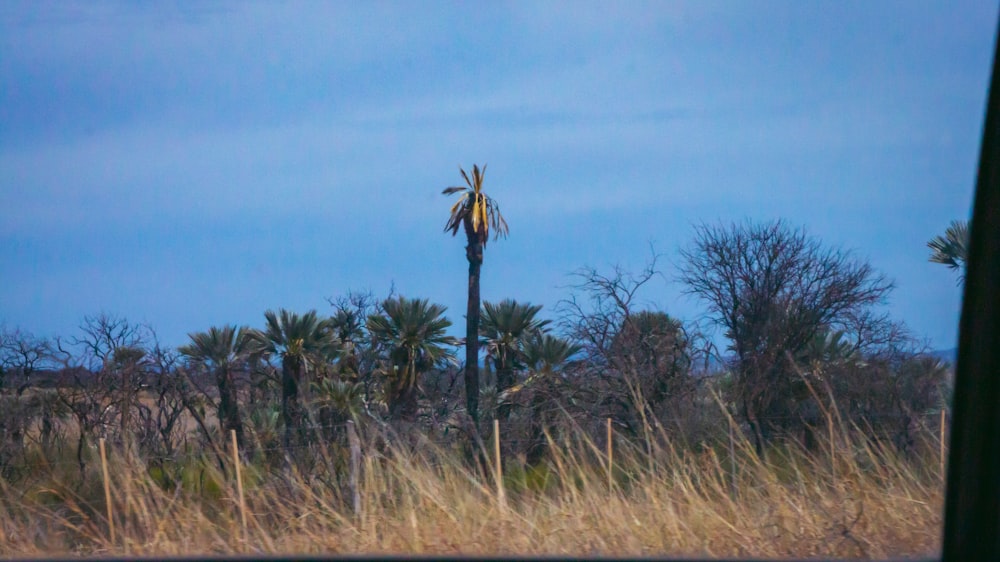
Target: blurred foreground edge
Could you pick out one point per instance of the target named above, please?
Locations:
(972, 501)
(449, 558)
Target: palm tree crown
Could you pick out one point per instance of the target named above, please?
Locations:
(952, 249)
(474, 209)
(414, 331)
(303, 340)
(504, 327)
(545, 353)
(218, 347)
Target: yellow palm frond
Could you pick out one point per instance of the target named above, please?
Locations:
(483, 219)
(475, 214)
(459, 203)
(477, 178)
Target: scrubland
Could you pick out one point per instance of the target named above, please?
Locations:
(851, 496)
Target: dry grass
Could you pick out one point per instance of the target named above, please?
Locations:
(867, 503)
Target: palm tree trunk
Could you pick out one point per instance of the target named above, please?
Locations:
(474, 253)
(403, 400)
(290, 400)
(229, 413)
(537, 444)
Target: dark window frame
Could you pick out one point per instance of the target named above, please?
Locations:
(972, 500)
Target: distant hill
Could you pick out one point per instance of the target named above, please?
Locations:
(949, 356)
(946, 355)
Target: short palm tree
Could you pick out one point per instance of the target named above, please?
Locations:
(345, 398)
(504, 327)
(222, 350)
(302, 342)
(476, 213)
(336, 402)
(545, 355)
(413, 330)
(355, 354)
(952, 249)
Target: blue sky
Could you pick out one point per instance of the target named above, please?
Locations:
(193, 164)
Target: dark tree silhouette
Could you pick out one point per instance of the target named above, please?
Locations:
(773, 288)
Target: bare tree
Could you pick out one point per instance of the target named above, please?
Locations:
(773, 288)
(600, 303)
(167, 387)
(103, 334)
(636, 360)
(21, 355)
(84, 393)
(360, 354)
(102, 371)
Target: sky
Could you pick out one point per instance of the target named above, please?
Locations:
(193, 164)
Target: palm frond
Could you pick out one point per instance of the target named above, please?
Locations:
(952, 249)
(301, 337)
(216, 346)
(466, 177)
(504, 327)
(544, 352)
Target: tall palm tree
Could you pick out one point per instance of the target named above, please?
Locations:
(504, 327)
(414, 332)
(952, 249)
(302, 342)
(222, 350)
(477, 213)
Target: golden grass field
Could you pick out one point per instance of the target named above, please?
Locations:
(859, 501)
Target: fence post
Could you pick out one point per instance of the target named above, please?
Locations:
(610, 457)
(501, 499)
(732, 459)
(107, 489)
(355, 444)
(239, 487)
(833, 449)
(943, 475)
